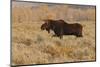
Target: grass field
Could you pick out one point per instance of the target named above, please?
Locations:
(31, 45)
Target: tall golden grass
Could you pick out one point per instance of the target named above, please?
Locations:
(30, 45)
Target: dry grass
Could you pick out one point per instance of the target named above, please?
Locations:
(30, 45)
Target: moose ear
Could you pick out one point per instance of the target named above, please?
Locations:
(47, 21)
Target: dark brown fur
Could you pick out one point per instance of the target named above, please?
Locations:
(60, 28)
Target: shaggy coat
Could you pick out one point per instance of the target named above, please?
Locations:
(60, 28)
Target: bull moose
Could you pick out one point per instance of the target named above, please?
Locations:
(60, 28)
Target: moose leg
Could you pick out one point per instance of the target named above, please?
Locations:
(48, 30)
(79, 34)
(61, 34)
(54, 35)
